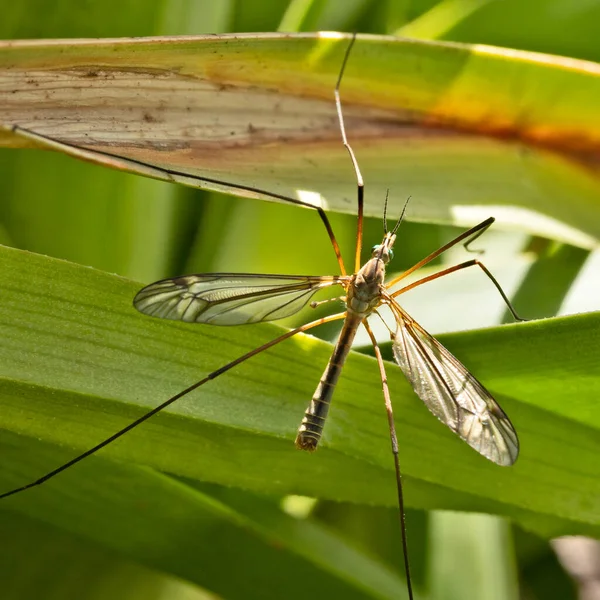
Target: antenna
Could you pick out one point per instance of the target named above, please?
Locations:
(397, 225)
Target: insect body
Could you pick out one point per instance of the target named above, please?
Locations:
(440, 380)
(364, 294)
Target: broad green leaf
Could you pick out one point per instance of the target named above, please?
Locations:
(71, 339)
(171, 527)
(468, 130)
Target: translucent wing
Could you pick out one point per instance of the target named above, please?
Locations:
(451, 393)
(229, 298)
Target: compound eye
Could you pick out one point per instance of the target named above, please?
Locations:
(375, 248)
(391, 253)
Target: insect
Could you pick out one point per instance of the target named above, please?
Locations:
(447, 388)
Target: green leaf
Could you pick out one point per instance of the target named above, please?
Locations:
(413, 109)
(71, 339)
(171, 527)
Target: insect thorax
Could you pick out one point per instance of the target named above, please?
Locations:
(364, 292)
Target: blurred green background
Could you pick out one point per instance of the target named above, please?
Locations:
(146, 230)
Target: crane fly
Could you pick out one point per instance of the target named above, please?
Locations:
(439, 379)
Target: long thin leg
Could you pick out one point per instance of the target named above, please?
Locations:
(360, 186)
(473, 233)
(315, 304)
(464, 265)
(170, 401)
(394, 439)
(150, 170)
